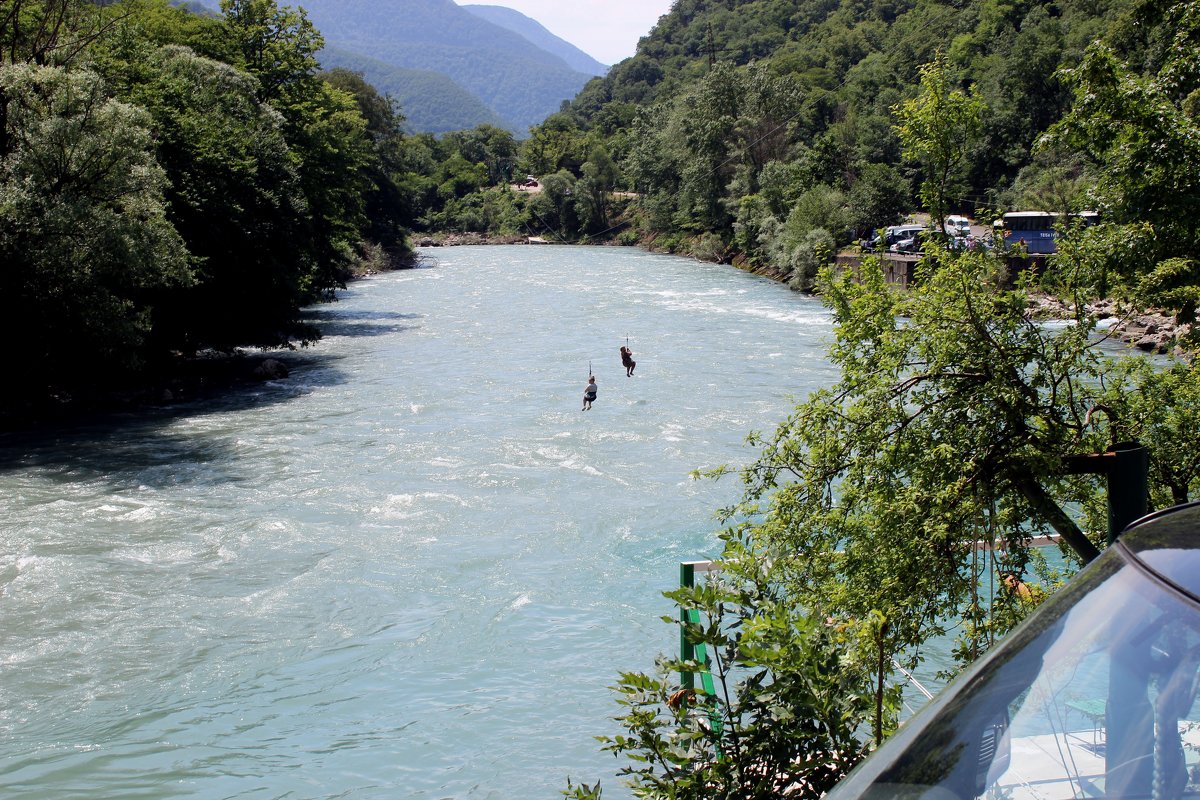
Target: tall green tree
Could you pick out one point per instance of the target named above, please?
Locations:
(593, 191)
(1142, 133)
(84, 234)
(947, 428)
(235, 196)
(323, 127)
(390, 207)
(938, 129)
(278, 45)
(493, 147)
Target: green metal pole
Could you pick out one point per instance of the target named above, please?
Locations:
(1128, 486)
(687, 580)
(1128, 754)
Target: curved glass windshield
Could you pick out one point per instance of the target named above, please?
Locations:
(1093, 697)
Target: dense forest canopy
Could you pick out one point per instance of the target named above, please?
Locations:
(171, 182)
(735, 115)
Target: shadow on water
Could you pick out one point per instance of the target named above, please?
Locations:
(117, 444)
(364, 323)
(93, 439)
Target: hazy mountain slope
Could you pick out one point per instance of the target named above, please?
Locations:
(430, 101)
(518, 81)
(535, 32)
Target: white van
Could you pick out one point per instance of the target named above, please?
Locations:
(958, 226)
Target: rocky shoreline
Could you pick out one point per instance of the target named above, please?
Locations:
(1149, 331)
(462, 239)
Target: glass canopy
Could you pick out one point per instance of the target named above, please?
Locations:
(1093, 696)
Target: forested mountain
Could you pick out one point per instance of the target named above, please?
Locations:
(431, 101)
(535, 32)
(851, 62)
(520, 82)
(770, 127)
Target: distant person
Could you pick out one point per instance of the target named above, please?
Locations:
(589, 393)
(627, 361)
(1021, 590)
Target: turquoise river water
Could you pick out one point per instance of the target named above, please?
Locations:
(410, 570)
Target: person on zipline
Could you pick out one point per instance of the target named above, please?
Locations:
(627, 360)
(589, 392)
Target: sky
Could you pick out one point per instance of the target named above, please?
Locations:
(607, 30)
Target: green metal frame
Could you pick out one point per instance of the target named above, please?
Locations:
(1126, 466)
(689, 650)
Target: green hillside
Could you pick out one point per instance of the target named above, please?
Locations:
(430, 101)
(852, 61)
(734, 113)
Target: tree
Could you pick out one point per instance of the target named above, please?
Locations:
(235, 197)
(879, 197)
(390, 208)
(323, 127)
(46, 32)
(937, 129)
(1158, 407)
(1143, 136)
(787, 715)
(334, 153)
(593, 191)
(84, 235)
(278, 46)
(555, 144)
(945, 429)
(42, 32)
(554, 207)
(493, 147)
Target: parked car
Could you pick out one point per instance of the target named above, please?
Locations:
(914, 243)
(890, 236)
(958, 226)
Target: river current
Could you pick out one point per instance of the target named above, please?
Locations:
(413, 568)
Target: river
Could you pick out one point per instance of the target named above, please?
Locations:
(410, 570)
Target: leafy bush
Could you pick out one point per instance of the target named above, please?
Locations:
(795, 697)
(709, 247)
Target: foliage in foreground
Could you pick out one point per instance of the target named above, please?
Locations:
(791, 691)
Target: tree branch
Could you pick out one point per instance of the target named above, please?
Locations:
(1044, 504)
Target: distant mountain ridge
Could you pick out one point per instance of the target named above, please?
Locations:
(535, 32)
(430, 101)
(520, 82)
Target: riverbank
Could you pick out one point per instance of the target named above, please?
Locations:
(1150, 331)
(179, 378)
